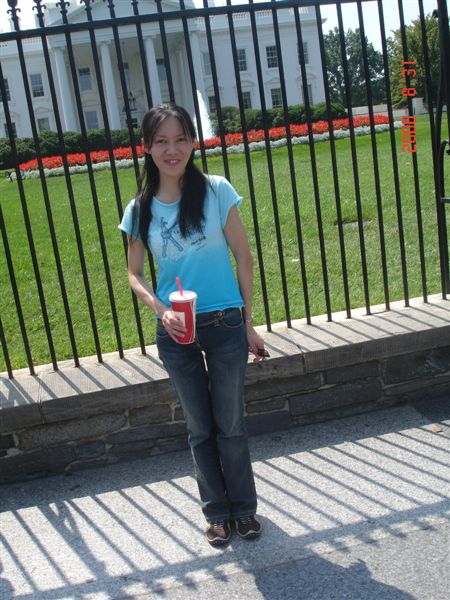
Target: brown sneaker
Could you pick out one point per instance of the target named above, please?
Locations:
(248, 527)
(218, 533)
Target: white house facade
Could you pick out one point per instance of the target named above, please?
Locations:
(154, 64)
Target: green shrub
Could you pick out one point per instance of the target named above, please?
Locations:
(231, 120)
(338, 111)
(271, 115)
(120, 138)
(278, 117)
(253, 118)
(26, 149)
(49, 143)
(296, 113)
(6, 160)
(96, 139)
(73, 142)
(319, 111)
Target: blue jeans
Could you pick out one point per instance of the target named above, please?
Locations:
(213, 406)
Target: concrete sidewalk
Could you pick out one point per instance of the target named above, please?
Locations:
(356, 508)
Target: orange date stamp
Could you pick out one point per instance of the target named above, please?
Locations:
(409, 121)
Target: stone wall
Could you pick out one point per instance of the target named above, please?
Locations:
(125, 408)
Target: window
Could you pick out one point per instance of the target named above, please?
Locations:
(242, 59)
(310, 94)
(247, 99)
(161, 69)
(91, 119)
(212, 104)
(276, 97)
(272, 56)
(14, 130)
(206, 63)
(43, 124)
(85, 79)
(8, 95)
(36, 85)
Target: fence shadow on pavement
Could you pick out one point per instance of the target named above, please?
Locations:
(136, 528)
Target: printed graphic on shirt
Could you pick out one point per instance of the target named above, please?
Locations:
(173, 245)
(167, 234)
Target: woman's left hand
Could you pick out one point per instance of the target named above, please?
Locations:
(255, 342)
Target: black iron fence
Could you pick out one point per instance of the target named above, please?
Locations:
(59, 47)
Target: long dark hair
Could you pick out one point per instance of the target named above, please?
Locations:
(193, 184)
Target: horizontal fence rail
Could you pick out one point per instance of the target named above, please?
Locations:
(333, 226)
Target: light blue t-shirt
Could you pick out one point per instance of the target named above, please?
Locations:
(202, 260)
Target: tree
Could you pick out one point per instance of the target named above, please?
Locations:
(355, 65)
(415, 54)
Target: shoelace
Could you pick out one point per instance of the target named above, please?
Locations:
(218, 525)
(246, 520)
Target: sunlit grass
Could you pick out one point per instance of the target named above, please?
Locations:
(13, 214)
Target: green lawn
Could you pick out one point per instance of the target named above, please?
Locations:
(13, 215)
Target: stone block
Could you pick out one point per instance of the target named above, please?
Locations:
(268, 422)
(147, 433)
(6, 441)
(421, 386)
(114, 400)
(352, 372)
(78, 429)
(417, 365)
(39, 463)
(170, 445)
(178, 414)
(158, 413)
(435, 389)
(336, 396)
(266, 405)
(353, 352)
(274, 368)
(19, 417)
(90, 450)
(339, 412)
(139, 448)
(278, 387)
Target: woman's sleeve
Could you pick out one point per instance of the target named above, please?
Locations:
(227, 197)
(130, 221)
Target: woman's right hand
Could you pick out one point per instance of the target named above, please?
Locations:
(173, 324)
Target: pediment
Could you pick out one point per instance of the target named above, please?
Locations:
(272, 81)
(245, 80)
(41, 110)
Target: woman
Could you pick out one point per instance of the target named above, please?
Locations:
(188, 221)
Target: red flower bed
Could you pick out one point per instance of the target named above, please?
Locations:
(231, 139)
(100, 156)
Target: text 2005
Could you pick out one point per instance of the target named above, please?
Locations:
(408, 121)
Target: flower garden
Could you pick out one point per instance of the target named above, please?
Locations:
(123, 157)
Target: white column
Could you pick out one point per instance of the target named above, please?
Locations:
(180, 66)
(67, 106)
(110, 88)
(152, 70)
(197, 62)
